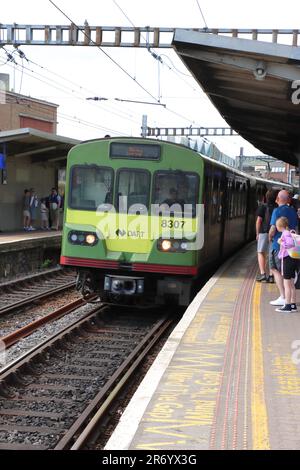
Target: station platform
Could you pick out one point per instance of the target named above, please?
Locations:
(227, 378)
(25, 252)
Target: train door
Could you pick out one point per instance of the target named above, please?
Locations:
(222, 210)
(213, 213)
(251, 209)
(207, 190)
(227, 245)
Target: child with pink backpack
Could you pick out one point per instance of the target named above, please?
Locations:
(288, 265)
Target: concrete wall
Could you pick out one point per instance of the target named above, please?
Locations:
(27, 256)
(21, 174)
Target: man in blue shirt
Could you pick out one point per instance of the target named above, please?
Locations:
(283, 210)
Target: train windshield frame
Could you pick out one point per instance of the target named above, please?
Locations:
(176, 188)
(90, 187)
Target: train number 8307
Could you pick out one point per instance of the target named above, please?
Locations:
(172, 223)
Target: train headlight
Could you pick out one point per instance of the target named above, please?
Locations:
(172, 245)
(166, 245)
(82, 238)
(90, 239)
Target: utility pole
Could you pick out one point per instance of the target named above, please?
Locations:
(144, 125)
(241, 158)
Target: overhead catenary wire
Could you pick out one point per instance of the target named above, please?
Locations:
(126, 16)
(203, 17)
(156, 57)
(87, 123)
(159, 59)
(81, 121)
(72, 118)
(104, 52)
(115, 110)
(22, 73)
(66, 90)
(167, 108)
(50, 83)
(79, 86)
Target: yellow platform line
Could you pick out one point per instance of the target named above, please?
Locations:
(260, 428)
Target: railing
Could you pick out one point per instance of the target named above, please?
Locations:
(115, 36)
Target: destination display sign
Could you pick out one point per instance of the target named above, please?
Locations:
(135, 151)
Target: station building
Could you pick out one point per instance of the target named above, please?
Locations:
(32, 155)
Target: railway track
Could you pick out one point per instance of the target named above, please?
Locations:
(56, 396)
(13, 337)
(20, 293)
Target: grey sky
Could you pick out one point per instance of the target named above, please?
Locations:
(89, 68)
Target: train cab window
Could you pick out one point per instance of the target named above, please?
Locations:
(177, 189)
(132, 192)
(91, 186)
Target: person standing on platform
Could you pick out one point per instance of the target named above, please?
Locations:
(296, 204)
(26, 210)
(283, 210)
(288, 265)
(55, 203)
(44, 215)
(264, 214)
(34, 202)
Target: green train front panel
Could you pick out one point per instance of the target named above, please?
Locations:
(133, 238)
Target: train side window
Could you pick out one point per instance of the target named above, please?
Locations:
(230, 198)
(207, 194)
(91, 186)
(239, 187)
(215, 199)
(244, 199)
(222, 201)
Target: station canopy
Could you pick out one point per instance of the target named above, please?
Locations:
(41, 146)
(251, 84)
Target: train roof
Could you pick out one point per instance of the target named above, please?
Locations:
(205, 157)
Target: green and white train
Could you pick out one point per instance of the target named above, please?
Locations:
(144, 219)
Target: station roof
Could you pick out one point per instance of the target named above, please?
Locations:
(250, 83)
(42, 146)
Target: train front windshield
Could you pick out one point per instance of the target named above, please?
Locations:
(178, 189)
(132, 189)
(91, 186)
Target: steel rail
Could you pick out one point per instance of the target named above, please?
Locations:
(102, 402)
(31, 277)
(12, 338)
(8, 372)
(32, 298)
(15, 374)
